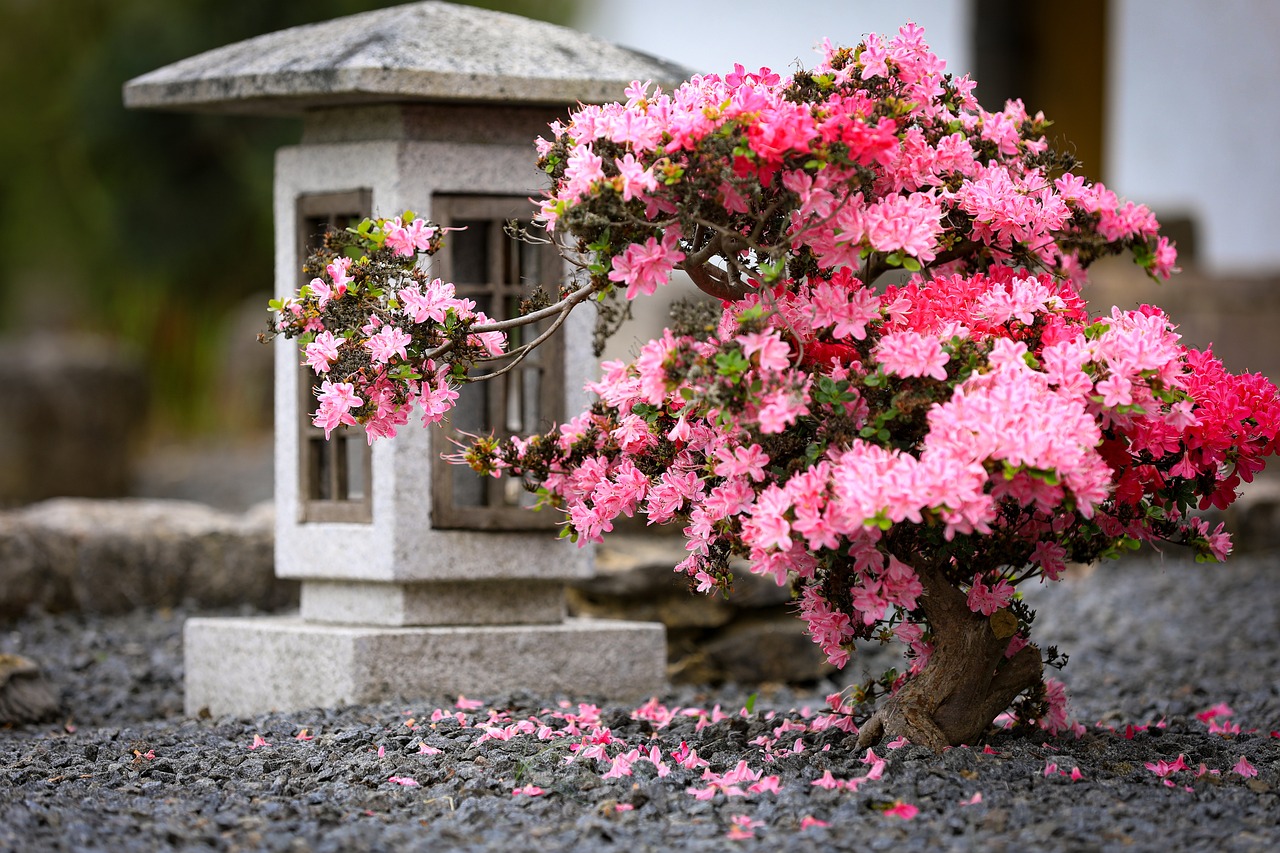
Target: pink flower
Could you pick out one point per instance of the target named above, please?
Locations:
(809, 821)
(643, 267)
(258, 742)
(780, 410)
(912, 354)
(635, 178)
(322, 352)
(528, 791)
(1222, 709)
(826, 781)
(336, 401)
(743, 827)
(774, 354)
(1244, 768)
(433, 303)
(987, 600)
(906, 811)
(1164, 768)
(337, 271)
(387, 343)
(406, 781)
(769, 784)
(466, 704)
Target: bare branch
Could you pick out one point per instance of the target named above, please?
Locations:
(715, 282)
(564, 306)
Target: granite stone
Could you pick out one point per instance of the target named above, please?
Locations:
(246, 666)
(427, 51)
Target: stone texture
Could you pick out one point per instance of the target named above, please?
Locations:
(434, 603)
(400, 544)
(247, 666)
(73, 409)
(428, 51)
(112, 556)
(752, 636)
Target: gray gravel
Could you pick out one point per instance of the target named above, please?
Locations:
(124, 770)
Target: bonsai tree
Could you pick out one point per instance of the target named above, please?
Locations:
(898, 403)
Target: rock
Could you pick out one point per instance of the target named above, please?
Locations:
(750, 637)
(112, 556)
(766, 647)
(74, 407)
(26, 696)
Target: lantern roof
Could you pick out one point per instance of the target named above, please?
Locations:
(425, 52)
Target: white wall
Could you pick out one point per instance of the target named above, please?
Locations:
(1194, 118)
(711, 35)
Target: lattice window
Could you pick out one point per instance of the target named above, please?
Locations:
(336, 475)
(489, 266)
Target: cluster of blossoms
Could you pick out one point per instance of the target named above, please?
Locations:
(379, 332)
(902, 455)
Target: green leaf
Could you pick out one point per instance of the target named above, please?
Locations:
(732, 364)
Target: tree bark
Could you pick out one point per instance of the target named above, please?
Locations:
(966, 683)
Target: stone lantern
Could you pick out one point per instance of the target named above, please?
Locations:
(417, 578)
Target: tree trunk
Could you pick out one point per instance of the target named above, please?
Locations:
(966, 683)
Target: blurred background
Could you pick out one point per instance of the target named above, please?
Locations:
(137, 245)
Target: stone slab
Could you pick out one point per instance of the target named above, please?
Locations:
(427, 51)
(444, 603)
(249, 666)
(111, 556)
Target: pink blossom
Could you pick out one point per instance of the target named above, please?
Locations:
(431, 303)
(643, 267)
(338, 272)
(336, 401)
(780, 409)
(741, 461)
(323, 351)
(527, 791)
(826, 780)
(912, 354)
(769, 784)
(1164, 768)
(634, 177)
(987, 600)
(406, 781)
(387, 343)
(906, 811)
(1222, 709)
(1244, 768)
(772, 352)
(743, 827)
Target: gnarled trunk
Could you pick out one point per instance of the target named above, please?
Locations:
(966, 683)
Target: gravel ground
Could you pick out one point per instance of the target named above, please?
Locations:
(1151, 644)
